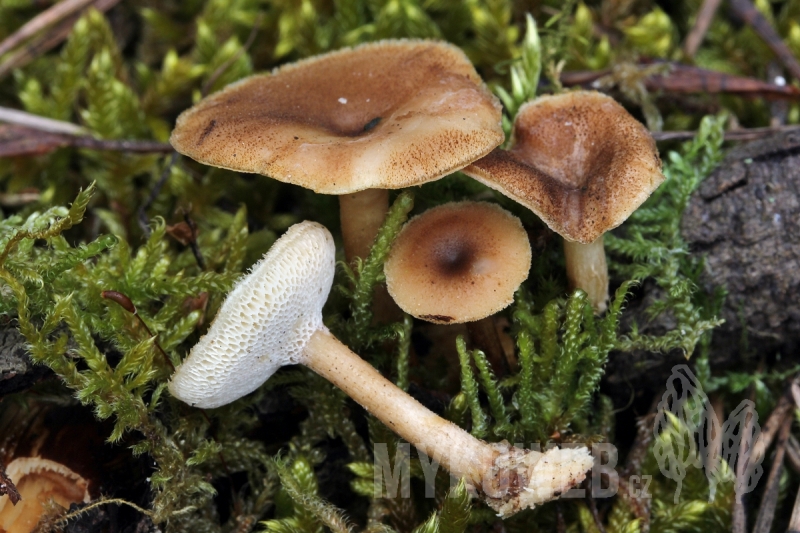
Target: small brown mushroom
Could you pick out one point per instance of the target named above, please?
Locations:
(583, 165)
(458, 262)
(38, 482)
(384, 115)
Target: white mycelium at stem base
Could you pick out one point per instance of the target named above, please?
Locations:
(274, 317)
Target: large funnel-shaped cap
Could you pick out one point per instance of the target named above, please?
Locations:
(383, 115)
(578, 160)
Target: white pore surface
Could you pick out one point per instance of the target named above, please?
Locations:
(264, 323)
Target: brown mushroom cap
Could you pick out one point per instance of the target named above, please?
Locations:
(383, 115)
(578, 160)
(458, 262)
(39, 481)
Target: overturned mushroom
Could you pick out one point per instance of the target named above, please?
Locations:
(353, 122)
(273, 317)
(583, 165)
(38, 482)
(458, 262)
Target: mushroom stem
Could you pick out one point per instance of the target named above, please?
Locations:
(361, 215)
(508, 478)
(483, 335)
(587, 270)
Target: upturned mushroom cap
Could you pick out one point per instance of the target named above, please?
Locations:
(458, 262)
(578, 160)
(265, 322)
(383, 115)
(38, 481)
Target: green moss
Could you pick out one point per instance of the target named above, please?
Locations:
(56, 261)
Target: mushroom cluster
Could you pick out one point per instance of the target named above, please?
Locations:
(389, 115)
(273, 317)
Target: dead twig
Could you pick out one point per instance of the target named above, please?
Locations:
(198, 256)
(745, 134)
(677, 78)
(739, 514)
(770, 428)
(793, 454)
(7, 487)
(46, 18)
(794, 521)
(21, 141)
(46, 42)
(698, 32)
(745, 10)
(36, 122)
(769, 500)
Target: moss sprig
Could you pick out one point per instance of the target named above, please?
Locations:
(651, 246)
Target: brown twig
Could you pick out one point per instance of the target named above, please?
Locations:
(794, 522)
(20, 141)
(769, 500)
(676, 78)
(126, 303)
(198, 257)
(7, 487)
(770, 428)
(48, 41)
(698, 32)
(793, 454)
(745, 134)
(50, 16)
(752, 16)
(113, 145)
(40, 123)
(739, 514)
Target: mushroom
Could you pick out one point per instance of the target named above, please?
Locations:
(39, 481)
(273, 317)
(583, 165)
(353, 122)
(458, 262)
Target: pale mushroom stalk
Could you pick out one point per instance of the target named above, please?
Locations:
(587, 270)
(273, 317)
(361, 215)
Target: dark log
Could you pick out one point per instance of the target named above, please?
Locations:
(745, 219)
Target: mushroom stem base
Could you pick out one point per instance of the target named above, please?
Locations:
(587, 270)
(508, 478)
